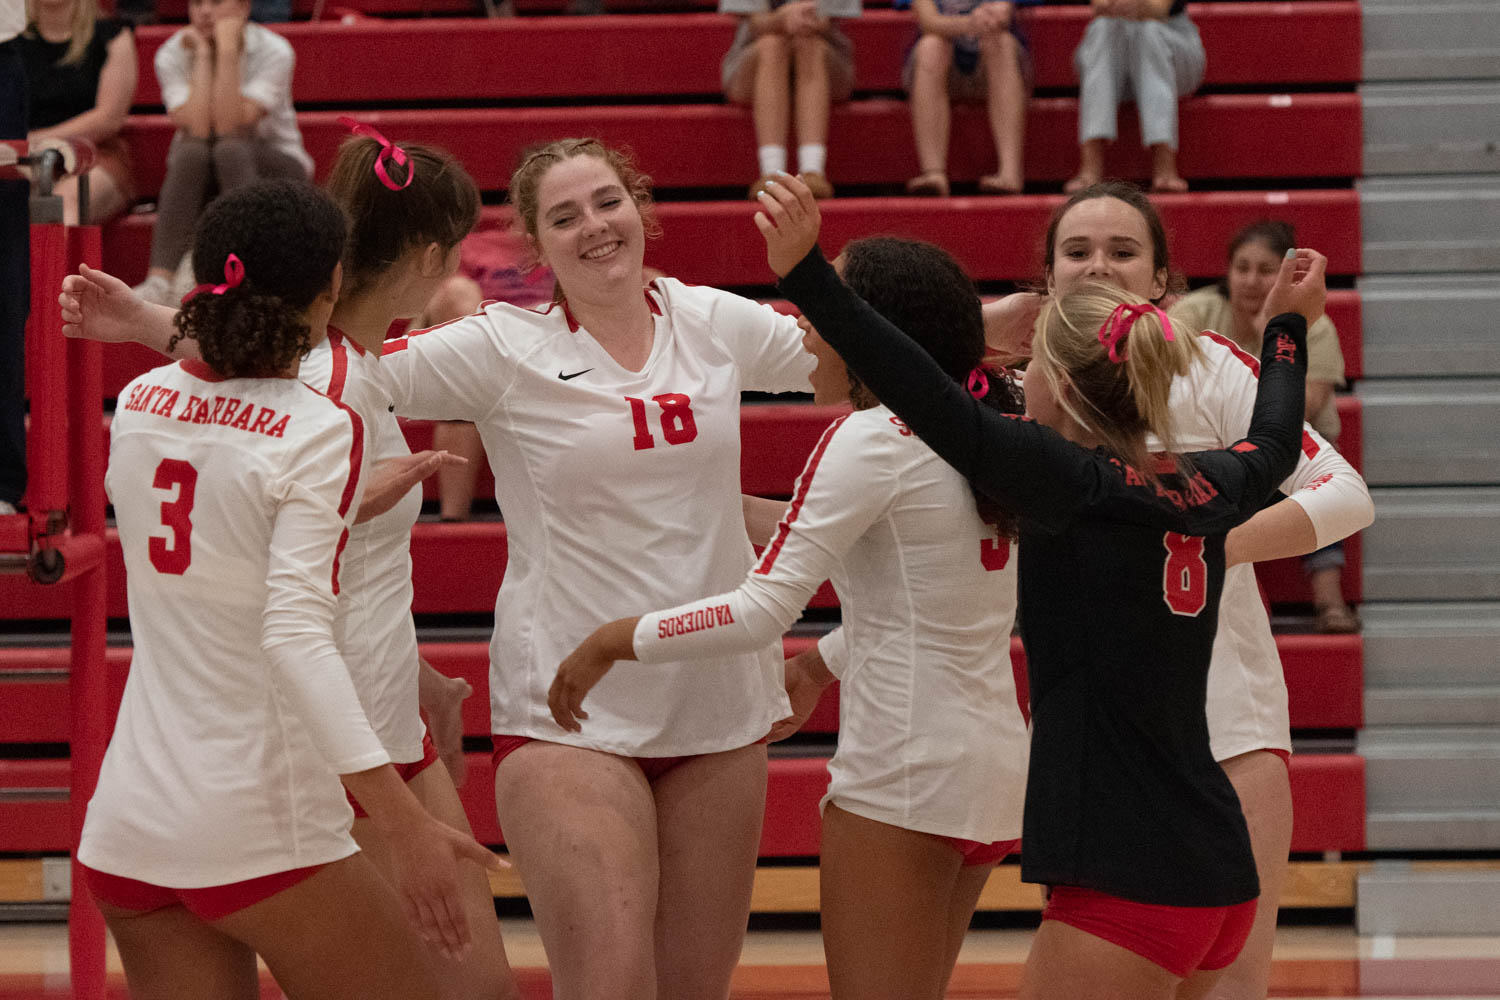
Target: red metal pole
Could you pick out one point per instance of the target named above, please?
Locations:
(46, 377)
(89, 706)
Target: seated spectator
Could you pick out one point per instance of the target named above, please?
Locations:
(969, 50)
(790, 53)
(227, 85)
(1142, 50)
(1235, 308)
(80, 72)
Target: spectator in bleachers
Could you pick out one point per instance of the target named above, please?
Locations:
(81, 71)
(227, 86)
(15, 265)
(1235, 307)
(969, 50)
(1145, 50)
(790, 54)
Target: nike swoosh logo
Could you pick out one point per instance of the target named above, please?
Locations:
(574, 375)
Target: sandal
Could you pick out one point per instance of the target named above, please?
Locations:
(928, 184)
(1337, 619)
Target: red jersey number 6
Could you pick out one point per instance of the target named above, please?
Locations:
(174, 558)
(1185, 578)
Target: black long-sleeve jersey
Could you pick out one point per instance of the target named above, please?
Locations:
(1120, 579)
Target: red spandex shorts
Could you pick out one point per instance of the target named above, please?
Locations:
(977, 853)
(211, 903)
(1180, 939)
(407, 771)
(651, 767)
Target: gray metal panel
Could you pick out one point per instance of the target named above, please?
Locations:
(1395, 899)
(1430, 224)
(1431, 128)
(1477, 830)
(1437, 770)
(1431, 39)
(1434, 706)
(1431, 431)
(1430, 324)
(1439, 646)
(1433, 544)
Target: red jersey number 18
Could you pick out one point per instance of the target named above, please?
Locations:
(174, 558)
(677, 424)
(1185, 577)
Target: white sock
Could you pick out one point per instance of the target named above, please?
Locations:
(812, 157)
(772, 159)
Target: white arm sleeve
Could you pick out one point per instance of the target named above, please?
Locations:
(319, 497)
(835, 652)
(765, 344)
(456, 371)
(847, 484)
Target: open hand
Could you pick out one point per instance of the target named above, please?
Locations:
(1009, 323)
(992, 16)
(99, 306)
(789, 220)
(427, 880)
(585, 667)
(442, 699)
(391, 479)
(804, 691)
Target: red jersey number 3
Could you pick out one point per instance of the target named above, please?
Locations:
(1185, 577)
(175, 556)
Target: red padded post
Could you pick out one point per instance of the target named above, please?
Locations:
(46, 378)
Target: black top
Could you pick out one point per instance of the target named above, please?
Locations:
(61, 92)
(1119, 596)
(1178, 7)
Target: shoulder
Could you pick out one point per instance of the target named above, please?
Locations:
(172, 49)
(107, 29)
(1222, 355)
(262, 41)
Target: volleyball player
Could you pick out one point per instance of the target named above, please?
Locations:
(1128, 817)
(926, 786)
(218, 829)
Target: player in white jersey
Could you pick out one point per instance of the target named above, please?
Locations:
(930, 772)
(611, 419)
(219, 828)
(1111, 232)
(402, 245)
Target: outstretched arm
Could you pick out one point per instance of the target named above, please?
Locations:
(99, 306)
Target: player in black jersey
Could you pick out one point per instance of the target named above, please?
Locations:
(1128, 817)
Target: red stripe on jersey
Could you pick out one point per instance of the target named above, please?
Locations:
(1309, 446)
(356, 457)
(1244, 446)
(804, 483)
(401, 343)
(340, 373)
(1239, 352)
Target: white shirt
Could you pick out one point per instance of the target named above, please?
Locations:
(931, 737)
(12, 19)
(231, 498)
(1247, 700)
(373, 626)
(266, 64)
(621, 493)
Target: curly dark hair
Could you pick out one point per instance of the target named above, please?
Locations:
(289, 236)
(923, 291)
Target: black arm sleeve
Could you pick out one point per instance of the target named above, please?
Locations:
(1029, 468)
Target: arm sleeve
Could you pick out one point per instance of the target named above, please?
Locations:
(268, 72)
(173, 67)
(319, 496)
(1334, 496)
(848, 483)
(835, 652)
(452, 372)
(766, 345)
(1028, 467)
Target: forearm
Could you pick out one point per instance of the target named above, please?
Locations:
(1278, 532)
(432, 684)
(761, 517)
(1275, 433)
(195, 115)
(95, 125)
(385, 797)
(157, 330)
(228, 103)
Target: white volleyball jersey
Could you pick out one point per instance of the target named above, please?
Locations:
(373, 627)
(621, 493)
(931, 737)
(1211, 407)
(232, 497)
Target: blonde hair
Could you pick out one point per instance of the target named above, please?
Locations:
(527, 179)
(1117, 401)
(80, 29)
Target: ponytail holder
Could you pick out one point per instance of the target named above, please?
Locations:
(978, 383)
(1115, 329)
(388, 151)
(234, 273)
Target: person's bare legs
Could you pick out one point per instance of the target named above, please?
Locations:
(106, 200)
(169, 954)
(813, 89)
(1164, 176)
(761, 81)
(961, 905)
(1090, 165)
(1000, 55)
(581, 828)
(709, 811)
(1261, 781)
(483, 974)
(931, 113)
(338, 935)
(1066, 963)
(890, 902)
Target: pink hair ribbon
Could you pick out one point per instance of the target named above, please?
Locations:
(1115, 329)
(978, 383)
(388, 151)
(234, 273)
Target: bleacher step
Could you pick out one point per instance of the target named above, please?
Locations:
(1413, 325)
(1431, 787)
(1433, 544)
(1430, 225)
(1415, 706)
(1422, 40)
(1399, 898)
(1431, 128)
(1431, 432)
(1445, 645)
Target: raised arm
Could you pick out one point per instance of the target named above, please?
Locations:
(99, 306)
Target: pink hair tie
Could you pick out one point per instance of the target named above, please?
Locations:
(978, 383)
(1115, 329)
(388, 151)
(234, 273)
